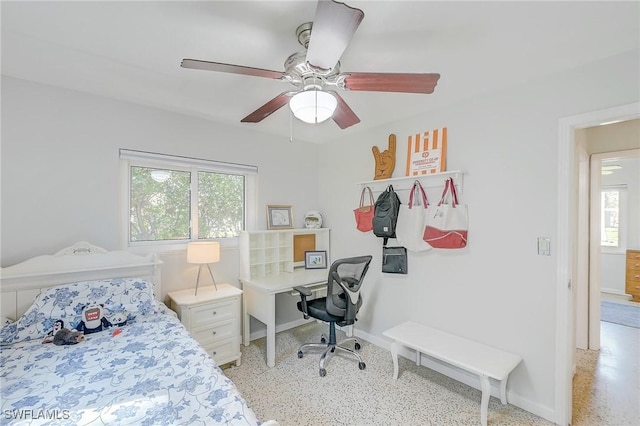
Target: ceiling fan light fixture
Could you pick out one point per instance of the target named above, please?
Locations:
(313, 106)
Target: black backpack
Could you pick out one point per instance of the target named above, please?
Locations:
(386, 214)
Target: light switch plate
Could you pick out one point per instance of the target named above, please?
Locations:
(544, 246)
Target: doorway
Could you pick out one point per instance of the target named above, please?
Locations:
(567, 264)
(613, 207)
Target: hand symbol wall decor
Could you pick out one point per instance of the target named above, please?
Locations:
(385, 160)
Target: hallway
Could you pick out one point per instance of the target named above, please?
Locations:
(606, 386)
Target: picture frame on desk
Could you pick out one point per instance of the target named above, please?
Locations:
(315, 259)
(279, 217)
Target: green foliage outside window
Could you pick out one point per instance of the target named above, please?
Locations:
(160, 204)
(220, 205)
(160, 210)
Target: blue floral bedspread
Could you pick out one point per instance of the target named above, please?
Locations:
(152, 373)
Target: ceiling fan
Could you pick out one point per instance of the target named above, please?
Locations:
(315, 72)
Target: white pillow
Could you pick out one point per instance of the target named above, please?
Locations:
(65, 302)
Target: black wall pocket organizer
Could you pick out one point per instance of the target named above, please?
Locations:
(394, 260)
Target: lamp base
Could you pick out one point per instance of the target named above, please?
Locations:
(198, 278)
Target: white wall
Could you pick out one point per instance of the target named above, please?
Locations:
(497, 290)
(61, 170)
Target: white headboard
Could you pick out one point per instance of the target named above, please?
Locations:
(22, 282)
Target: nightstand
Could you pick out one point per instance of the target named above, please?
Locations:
(213, 319)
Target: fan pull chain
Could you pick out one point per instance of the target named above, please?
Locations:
(290, 126)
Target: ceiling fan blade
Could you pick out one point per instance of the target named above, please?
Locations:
(392, 82)
(343, 115)
(333, 27)
(269, 108)
(233, 69)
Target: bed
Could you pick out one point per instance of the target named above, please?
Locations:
(148, 371)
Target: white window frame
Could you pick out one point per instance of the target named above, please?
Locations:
(622, 219)
(129, 158)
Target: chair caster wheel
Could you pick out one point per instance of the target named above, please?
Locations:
(323, 372)
(357, 346)
(362, 365)
(300, 354)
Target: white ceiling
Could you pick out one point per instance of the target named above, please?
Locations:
(132, 51)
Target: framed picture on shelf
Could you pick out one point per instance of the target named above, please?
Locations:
(315, 259)
(279, 217)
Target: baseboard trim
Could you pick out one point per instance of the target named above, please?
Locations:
(462, 376)
(613, 291)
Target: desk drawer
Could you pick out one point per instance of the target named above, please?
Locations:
(206, 314)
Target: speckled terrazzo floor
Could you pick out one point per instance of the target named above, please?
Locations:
(293, 393)
(606, 386)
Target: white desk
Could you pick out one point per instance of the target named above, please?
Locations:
(259, 301)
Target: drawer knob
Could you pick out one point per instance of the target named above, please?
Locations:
(214, 312)
(215, 353)
(214, 333)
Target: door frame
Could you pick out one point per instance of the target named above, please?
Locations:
(567, 216)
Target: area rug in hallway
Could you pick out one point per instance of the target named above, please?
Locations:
(618, 313)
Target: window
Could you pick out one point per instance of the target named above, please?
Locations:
(176, 199)
(613, 217)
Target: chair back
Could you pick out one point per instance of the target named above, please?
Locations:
(343, 287)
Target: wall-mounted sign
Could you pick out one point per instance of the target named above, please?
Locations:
(427, 152)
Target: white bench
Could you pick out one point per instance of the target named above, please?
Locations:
(485, 361)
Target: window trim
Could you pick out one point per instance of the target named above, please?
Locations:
(622, 219)
(129, 158)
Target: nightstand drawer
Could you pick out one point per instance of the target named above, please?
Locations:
(206, 314)
(218, 331)
(221, 351)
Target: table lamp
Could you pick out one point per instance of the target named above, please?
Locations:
(204, 252)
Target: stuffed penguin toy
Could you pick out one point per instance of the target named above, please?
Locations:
(93, 319)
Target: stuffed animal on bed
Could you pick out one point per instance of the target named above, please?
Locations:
(118, 319)
(62, 336)
(67, 337)
(93, 319)
(57, 326)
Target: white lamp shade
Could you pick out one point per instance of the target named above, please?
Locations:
(203, 252)
(313, 106)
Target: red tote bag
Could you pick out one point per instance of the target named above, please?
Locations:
(364, 213)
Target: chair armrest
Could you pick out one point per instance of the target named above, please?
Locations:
(304, 293)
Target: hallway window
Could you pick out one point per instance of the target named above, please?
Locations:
(613, 217)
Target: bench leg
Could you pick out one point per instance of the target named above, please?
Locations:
(395, 348)
(503, 390)
(486, 394)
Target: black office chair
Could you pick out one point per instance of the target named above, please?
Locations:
(340, 306)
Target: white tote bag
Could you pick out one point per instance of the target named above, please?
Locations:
(447, 224)
(411, 220)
